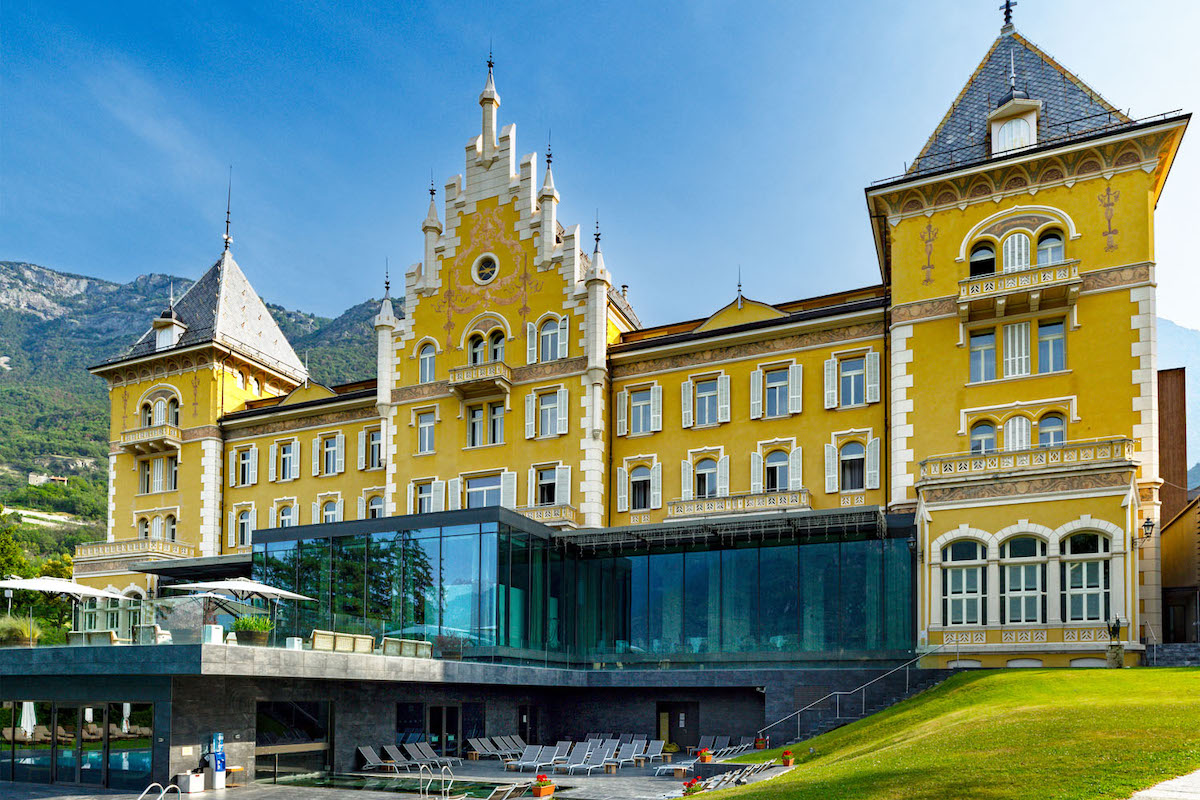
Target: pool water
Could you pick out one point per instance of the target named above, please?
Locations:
(408, 785)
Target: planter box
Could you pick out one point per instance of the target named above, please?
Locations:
(707, 759)
(543, 791)
(787, 762)
(252, 638)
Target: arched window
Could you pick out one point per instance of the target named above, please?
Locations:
(1016, 252)
(245, 526)
(477, 350)
(143, 528)
(160, 411)
(169, 528)
(173, 412)
(1023, 579)
(375, 507)
(147, 415)
(706, 478)
(964, 582)
(853, 467)
(1085, 578)
(1052, 430)
(639, 489)
(1012, 134)
(156, 528)
(776, 478)
(983, 437)
(329, 511)
(1016, 433)
(549, 340)
(425, 361)
(1050, 248)
(496, 345)
(239, 379)
(287, 516)
(983, 260)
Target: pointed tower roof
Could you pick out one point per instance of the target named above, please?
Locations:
(222, 307)
(1069, 106)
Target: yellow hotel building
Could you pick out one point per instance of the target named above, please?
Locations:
(991, 401)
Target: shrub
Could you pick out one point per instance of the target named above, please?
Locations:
(14, 630)
(253, 623)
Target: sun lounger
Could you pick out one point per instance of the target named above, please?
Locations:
(509, 746)
(576, 758)
(502, 792)
(372, 761)
(542, 757)
(392, 754)
(654, 750)
(719, 746)
(527, 755)
(560, 751)
(705, 742)
(625, 755)
(427, 751)
(686, 766)
(626, 737)
(595, 760)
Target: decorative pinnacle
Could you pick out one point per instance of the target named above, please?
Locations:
(432, 190)
(1007, 9)
(171, 301)
(387, 278)
(1012, 70)
(228, 200)
(549, 157)
(597, 228)
(491, 63)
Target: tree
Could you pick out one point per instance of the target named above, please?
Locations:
(12, 558)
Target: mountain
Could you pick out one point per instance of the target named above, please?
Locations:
(53, 325)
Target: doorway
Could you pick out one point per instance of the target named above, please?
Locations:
(678, 723)
(79, 744)
(527, 724)
(444, 726)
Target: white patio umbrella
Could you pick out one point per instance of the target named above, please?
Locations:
(241, 589)
(60, 587)
(28, 718)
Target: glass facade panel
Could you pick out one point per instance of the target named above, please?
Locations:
(739, 599)
(91, 760)
(130, 734)
(778, 598)
(666, 602)
(819, 592)
(31, 759)
(66, 737)
(8, 724)
(349, 583)
(460, 589)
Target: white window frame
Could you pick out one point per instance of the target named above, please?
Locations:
(1022, 567)
(1083, 563)
(1016, 252)
(375, 448)
(469, 490)
(426, 363)
(858, 381)
(641, 410)
(548, 339)
(1017, 360)
(986, 356)
(1052, 347)
(955, 588)
(709, 492)
(426, 432)
(708, 403)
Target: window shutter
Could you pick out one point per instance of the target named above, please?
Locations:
(530, 415)
(508, 489)
(756, 387)
(723, 398)
(685, 479)
(316, 456)
(531, 343)
(562, 411)
(316, 513)
(723, 477)
(796, 469)
(454, 494)
(362, 450)
(157, 485)
(562, 485)
(271, 517)
(1016, 349)
(341, 453)
(756, 473)
(233, 470)
(831, 469)
(531, 491)
(437, 496)
(295, 459)
(656, 486)
(272, 456)
(831, 387)
(362, 507)
(253, 464)
(685, 402)
(562, 336)
(622, 489)
(872, 476)
(412, 490)
(231, 539)
(795, 388)
(1017, 433)
(340, 507)
(656, 407)
(872, 377)
(1016, 252)
(622, 413)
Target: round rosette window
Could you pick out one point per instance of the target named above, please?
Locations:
(485, 269)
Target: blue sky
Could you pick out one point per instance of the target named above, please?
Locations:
(707, 134)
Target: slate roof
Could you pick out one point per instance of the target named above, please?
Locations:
(1069, 107)
(223, 307)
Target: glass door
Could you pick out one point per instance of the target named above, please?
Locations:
(444, 733)
(66, 745)
(527, 724)
(91, 745)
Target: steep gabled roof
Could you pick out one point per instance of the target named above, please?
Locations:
(223, 307)
(1069, 106)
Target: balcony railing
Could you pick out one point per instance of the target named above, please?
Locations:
(151, 439)
(1025, 284)
(739, 504)
(480, 379)
(130, 547)
(1034, 458)
(552, 515)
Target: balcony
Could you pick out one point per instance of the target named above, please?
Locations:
(152, 439)
(797, 500)
(1069, 454)
(480, 380)
(115, 556)
(1026, 289)
(558, 516)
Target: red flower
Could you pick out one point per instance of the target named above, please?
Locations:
(787, 753)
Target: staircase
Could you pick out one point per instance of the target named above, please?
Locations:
(1174, 655)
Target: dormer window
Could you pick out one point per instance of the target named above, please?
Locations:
(1014, 124)
(1013, 134)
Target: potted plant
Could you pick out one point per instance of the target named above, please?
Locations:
(252, 630)
(788, 759)
(705, 755)
(760, 743)
(18, 632)
(543, 786)
(693, 786)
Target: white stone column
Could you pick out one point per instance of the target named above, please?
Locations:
(993, 592)
(1116, 586)
(1053, 591)
(935, 594)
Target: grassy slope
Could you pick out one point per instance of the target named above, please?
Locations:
(1082, 734)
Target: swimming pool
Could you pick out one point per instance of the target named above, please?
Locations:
(382, 783)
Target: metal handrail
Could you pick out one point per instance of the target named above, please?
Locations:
(162, 790)
(862, 689)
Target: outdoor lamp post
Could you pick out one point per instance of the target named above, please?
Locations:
(1147, 529)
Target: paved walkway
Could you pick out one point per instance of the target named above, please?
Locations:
(1186, 787)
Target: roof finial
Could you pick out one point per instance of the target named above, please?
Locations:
(432, 190)
(228, 200)
(739, 298)
(549, 157)
(171, 301)
(1007, 9)
(1012, 70)
(387, 278)
(597, 229)
(491, 62)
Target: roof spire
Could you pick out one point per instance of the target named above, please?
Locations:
(597, 250)
(739, 296)
(1007, 9)
(228, 200)
(1012, 71)
(171, 301)
(387, 278)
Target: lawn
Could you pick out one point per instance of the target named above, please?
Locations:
(1080, 734)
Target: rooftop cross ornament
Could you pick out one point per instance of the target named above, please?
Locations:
(1007, 9)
